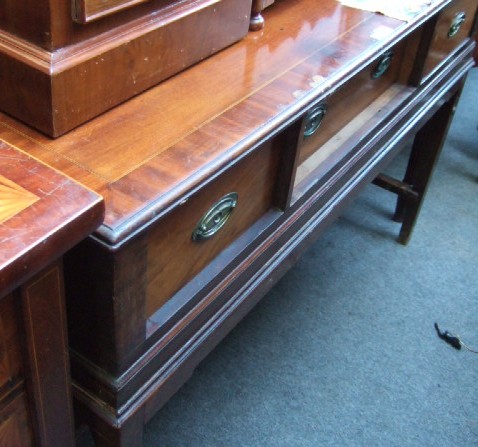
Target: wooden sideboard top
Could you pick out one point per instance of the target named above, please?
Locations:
(149, 153)
(42, 214)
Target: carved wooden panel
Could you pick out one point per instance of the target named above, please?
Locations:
(89, 10)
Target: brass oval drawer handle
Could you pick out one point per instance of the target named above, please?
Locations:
(313, 119)
(456, 24)
(383, 64)
(216, 217)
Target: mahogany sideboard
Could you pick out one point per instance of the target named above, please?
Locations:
(42, 215)
(216, 180)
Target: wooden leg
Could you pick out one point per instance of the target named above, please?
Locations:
(424, 155)
(257, 21)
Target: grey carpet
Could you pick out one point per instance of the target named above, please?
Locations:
(342, 352)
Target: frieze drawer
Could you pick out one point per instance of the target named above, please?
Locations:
(165, 270)
(207, 223)
(325, 119)
(451, 30)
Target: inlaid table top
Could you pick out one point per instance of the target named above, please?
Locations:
(42, 214)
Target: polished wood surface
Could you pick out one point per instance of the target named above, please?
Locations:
(57, 86)
(39, 215)
(442, 43)
(167, 273)
(152, 152)
(145, 303)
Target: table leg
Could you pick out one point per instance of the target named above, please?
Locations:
(425, 152)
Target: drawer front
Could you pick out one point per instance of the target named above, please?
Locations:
(453, 27)
(323, 121)
(194, 234)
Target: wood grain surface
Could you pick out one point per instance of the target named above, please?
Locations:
(253, 179)
(13, 198)
(145, 155)
(98, 67)
(39, 207)
(442, 44)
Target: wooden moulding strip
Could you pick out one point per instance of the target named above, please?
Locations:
(86, 11)
(25, 53)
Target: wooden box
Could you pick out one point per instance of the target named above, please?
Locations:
(63, 63)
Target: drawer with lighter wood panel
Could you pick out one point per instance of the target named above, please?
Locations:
(451, 30)
(333, 127)
(325, 119)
